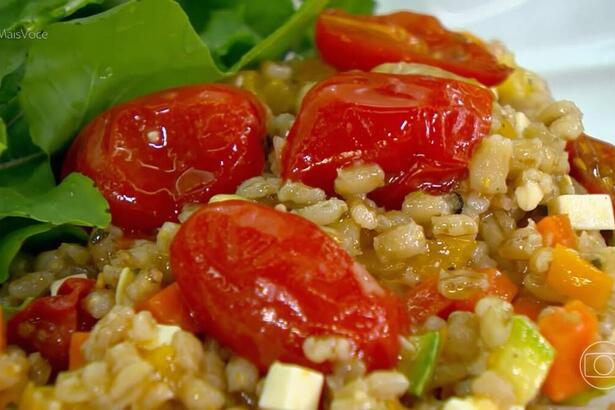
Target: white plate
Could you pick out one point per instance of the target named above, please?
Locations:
(571, 43)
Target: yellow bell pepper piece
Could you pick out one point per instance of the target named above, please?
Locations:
(575, 278)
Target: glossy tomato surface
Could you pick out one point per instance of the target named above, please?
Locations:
(262, 281)
(47, 323)
(362, 42)
(592, 163)
(151, 155)
(421, 130)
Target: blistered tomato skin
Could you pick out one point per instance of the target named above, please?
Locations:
(362, 42)
(421, 130)
(151, 155)
(592, 163)
(262, 281)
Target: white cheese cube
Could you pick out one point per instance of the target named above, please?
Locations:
(55, 286)
(588, 212)
(164, 336)
(290, 387)
(471, 403)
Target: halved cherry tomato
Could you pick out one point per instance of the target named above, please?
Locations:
(47, 323)
(262, 281)
(151, 155)
(592, 163)
(421, 130)
(362, 42)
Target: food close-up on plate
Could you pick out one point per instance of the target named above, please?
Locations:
(304, 205)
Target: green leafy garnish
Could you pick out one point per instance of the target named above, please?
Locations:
(354, 6)
(12, 55)
(3, 138)
(22, 231)
(284, 37)
(236, 26)
(75, 201)
(33, 15)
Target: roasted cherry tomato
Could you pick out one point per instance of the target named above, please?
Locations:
(262, 281)
(363, 42)
(592, 163)
(421, 130)
(47, 323)
(151, 155)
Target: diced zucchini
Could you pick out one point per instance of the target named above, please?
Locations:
(291, 387)
(590, 212)
(419, 362)
(524, 360)
(582, 399)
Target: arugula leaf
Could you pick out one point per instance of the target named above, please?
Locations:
(33, 15)
(23, 231)
(12, 55)
(265, 16)
(285, 36)
(3, 138)
(228, 36)
(76, 201)
(28, 175)
(354, 6)
(90, 64)
(17, 139)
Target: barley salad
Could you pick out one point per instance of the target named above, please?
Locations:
(251, 204)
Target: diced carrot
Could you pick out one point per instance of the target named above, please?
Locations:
(570, 330)
(424, 300)
(75, 354)
(574, 277)
(529, 306)
(168, 307)
(2, 332)
(499, 285)
(556, 230)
